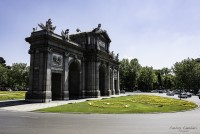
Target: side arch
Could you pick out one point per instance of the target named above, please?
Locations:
(74, 85)
(102, 79)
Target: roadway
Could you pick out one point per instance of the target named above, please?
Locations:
(13, 122)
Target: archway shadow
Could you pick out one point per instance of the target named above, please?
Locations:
(13, 103)
(74, 81)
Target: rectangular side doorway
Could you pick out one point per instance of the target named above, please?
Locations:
(56, 86)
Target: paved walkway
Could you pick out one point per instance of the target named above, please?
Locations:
(21, 105)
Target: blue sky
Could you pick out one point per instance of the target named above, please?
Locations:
(156, 32)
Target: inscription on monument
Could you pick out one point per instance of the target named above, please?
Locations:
(101, 44)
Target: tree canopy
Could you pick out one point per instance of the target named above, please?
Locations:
(187, 74)
(15, 76)
(183, 75)
(129, 73)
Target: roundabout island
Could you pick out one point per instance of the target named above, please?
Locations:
(126, 105)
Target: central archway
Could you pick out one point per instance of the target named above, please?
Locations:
(102, 75)
(74, 80)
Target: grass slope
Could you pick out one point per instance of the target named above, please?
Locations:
(12, 95)
(127, 104)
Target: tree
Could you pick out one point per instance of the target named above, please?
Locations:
(129, 73)
(133, 74)
(3, 76)
(187, 74)
(2, 61)
(165, 71)
(169, 81)
(123, 72)
(19, 75)
(146, 78)
(159, 83)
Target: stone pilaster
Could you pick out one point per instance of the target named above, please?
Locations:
(41, 73)
(117, 88)
(97, 79)
(47, 75)
(107, 81)
(82, 82)
(31, 52)
(92, 80)
(111, 82)
(66, 76)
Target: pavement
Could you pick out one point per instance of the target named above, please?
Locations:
(15, 121)
(23, 106)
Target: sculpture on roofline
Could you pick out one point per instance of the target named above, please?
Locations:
(117, 57)
(34, 29)
(98, 29)
(49, 27)
(65, 35)
(78, 30)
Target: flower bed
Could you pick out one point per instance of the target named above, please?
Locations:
(143, 99)
(126, 104)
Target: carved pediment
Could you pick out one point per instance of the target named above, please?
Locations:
(102, 33)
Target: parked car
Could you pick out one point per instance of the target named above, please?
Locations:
(122, 91)
(137, 91)
(176, 91)
(164, 91)
(198, 95)
(154, 91)
(183, 95)
(189, 94)
(170, 93)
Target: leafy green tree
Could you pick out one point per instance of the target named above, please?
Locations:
(146, 78)
(129, 73)
(165, 78)
(123, 72)
(133, 74)
(3, 76)
(187, 74)
(169, 81)
(165, 71)
(19, 75)
(2, 61)
(159, 83)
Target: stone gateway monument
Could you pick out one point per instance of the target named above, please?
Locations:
(74, 66)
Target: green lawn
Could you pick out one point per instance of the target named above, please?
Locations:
(127, 104)
(12, 95)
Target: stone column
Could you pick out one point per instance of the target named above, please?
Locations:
(113, 81)
(29, 92)
(82, 79)
(47, 74)
(81, 92)
(117, 90)
(31, 52)
(66, 77)
(97, 79)
(92, 80)
(40, 76)
(107, 81)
